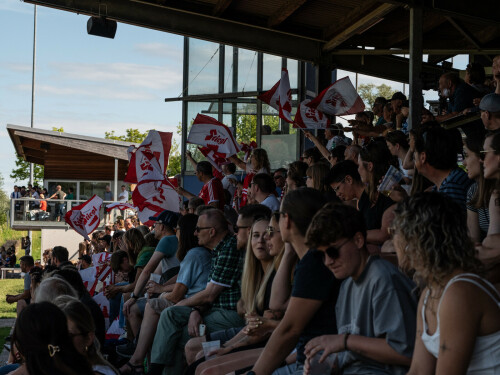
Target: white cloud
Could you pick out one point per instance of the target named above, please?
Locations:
(17, 67)
(126, 74)
(160, 50)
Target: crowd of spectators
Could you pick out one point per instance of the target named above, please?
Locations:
(313, 265)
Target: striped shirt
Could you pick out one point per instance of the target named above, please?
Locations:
(213, 191)
(455, 185)
(482, 212)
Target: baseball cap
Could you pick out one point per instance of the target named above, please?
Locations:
(167, 217)
(490, 103)
(86, 258)
(398, 96)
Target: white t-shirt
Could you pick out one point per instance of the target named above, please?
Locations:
(123, 197)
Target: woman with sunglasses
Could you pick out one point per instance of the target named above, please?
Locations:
(192, 278)
(376, 308)
(458, 319)
(310, 311)
(81, 329)
(479, 193)
(258, 274)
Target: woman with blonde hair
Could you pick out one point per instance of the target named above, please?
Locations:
(81, 329)
(458, 319)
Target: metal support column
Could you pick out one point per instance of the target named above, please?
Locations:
(185, 83)
(284, 126)
(220, 102)
(416, 54)
(260, 84)
(115, 189)
(32, 167)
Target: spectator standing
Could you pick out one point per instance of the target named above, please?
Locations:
(59, 195)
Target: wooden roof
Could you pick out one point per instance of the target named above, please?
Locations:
(340, 33)
(70, 156)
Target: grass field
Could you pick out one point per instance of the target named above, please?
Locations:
(9, 286)
(4, 332)
(7, 233)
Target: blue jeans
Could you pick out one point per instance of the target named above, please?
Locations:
(116, 306)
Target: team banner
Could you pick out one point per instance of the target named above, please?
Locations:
(310, 118)
(210, 133)
(280, 97)
(120, 206)
(84, 218)
(101, 258)
(149, 161)
(340, 98)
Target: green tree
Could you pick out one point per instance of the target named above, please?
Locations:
(131, 135)
(22, 170)
(369, 92)
(4, 203)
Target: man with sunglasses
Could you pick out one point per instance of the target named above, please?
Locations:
(280, 180)
(215, 306)
(376, 307)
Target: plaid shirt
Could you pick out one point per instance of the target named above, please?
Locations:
(226, 269)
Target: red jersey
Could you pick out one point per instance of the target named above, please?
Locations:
(213, 191)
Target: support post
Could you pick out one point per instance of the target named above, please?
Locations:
(416, 53)
(115, 188)
(260, 82)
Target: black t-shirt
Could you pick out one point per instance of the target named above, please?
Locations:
(313, 280)
(373, 215)
(267, 295)
(95, 311)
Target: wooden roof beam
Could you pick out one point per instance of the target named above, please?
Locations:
(285, 11)
(221, 7)
(461, 29)
(355, 25)
(29, 152)
(431, 21)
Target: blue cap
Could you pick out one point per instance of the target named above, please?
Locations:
(168, 218)
(490, 103)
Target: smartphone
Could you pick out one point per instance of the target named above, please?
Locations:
(202, 329)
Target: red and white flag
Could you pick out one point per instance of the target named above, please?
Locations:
(210, 133)
(114, 330)
(120, 206)
(280, 97)
(89, 279)
(149, 161)
(310, 118)
(153, 197)
(216, 162)
(101, 258)
(103, 303)
(84, 218)
(247, 149)
(340, 98)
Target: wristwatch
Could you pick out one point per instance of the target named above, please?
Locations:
(132, 295)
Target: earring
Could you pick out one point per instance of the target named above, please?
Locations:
(86, 348)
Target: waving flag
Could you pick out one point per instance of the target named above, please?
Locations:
(216, 162)
(340, 98)
(149, 161)
(152, 197)
(84, 218)
(247, 149)
(310, 118)
(210, 133)
(280, 97)
(120, 206)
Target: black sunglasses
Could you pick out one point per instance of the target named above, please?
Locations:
(334, 251)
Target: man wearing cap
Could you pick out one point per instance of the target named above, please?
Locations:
(490, 111)
(164, 230)
(212, 191)
(85, 261)
(460, 95)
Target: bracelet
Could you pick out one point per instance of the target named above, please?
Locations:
(195, 309)
(346, 336)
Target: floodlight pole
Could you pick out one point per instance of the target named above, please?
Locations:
(30, 234)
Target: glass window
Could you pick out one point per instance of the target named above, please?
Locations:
(293, 66)
(203, 79)
(247, 70)
(229, 69)
(272, 71)
(204, 108)
(65, 186)
(88, 189)
(281, 149)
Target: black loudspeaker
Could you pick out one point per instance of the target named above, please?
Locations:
(101, 26)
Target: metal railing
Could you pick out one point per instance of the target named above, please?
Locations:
(26, 213)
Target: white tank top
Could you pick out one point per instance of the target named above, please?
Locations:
(486, 356)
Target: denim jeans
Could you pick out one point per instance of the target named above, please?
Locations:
(116, 306)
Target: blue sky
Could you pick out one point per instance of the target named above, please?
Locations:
(87, 84)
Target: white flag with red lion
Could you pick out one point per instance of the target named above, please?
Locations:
(84, 218)
(340, 98)
(280, 97)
